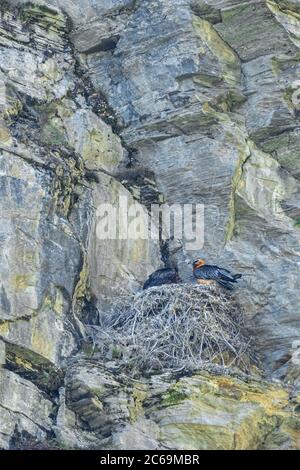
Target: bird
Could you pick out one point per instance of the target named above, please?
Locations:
(209, 274)
(162, 276)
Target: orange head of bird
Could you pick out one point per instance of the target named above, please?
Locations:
(198, 263)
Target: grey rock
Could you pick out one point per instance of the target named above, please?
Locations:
(23, 409)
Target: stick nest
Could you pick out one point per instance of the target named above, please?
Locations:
(174, 327)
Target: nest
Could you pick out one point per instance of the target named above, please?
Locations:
(174, 327)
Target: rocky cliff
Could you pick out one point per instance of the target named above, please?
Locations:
(156, 100)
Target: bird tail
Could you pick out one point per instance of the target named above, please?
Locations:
(225, 284)
(146, 285)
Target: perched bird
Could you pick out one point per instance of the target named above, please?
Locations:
(162, 276)
(209, 274)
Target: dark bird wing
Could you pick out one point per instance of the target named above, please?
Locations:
(205, 272)
(228, 276)
(162, 276)
(223, 276)
(225, 284)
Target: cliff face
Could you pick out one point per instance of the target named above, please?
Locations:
(202, 99)
(203, 92)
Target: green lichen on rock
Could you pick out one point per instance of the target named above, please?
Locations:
(297, 222)
(206, 411)
(224, 413)
(33, 367)
(139, 395)
(206, 80)
(49, 18)
(229, 101)
(227, 58)
(174, 396)
(283, 63)
(206, 11)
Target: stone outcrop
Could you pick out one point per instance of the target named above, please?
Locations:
(182, 102)
(23, 408)
(197, 412)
